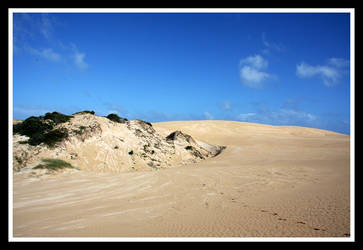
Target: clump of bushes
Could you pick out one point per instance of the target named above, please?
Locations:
(145, 122)
(52, 137)
(85, 112)
(188, 147)
(40, 129)
(31, 125)
(57, 117)
(116, 118)
(53, 164)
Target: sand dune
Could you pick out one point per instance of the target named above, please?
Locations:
(270, 181)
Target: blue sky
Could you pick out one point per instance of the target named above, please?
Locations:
(270, 68)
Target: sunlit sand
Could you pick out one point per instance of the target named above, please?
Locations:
(270, 181)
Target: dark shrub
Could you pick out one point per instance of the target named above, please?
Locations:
(54, 136)
(32, 125)
(53, 164)
(188, 147)
(49, 138)
(131, 152)
(116, 118)
(85, 112)
(57, 117)
(36, 139)
(40, 131)
(145, 122)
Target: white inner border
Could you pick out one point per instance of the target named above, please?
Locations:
(351, 11)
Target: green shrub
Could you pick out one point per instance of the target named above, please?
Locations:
(85, 112)
(188, 147)
(49, 138)
(131, 152)
(37, 125)
(39, 131)
(57, 117)
(36, 138)
(53, 164)
(116, 118)
(145, 122)
(31, 125)
(54, 136)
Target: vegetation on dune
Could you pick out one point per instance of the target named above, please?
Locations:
(41, 129)
(31, 125)
(116, 118)
(53, 164)
(57, 117)
(145, 122)
(80, 130)
(85, 112)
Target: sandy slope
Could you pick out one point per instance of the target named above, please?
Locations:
(269, 181)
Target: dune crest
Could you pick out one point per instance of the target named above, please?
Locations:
(95, 143)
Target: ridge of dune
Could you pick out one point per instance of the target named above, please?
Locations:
(95, 143)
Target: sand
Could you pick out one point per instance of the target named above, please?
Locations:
(270, 181)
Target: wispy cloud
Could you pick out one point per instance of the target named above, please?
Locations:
(47, 54)
(255, 61)
(251, 73)
(33, 29)
(329, 73)
(268, 46)
(338, 62)
(46, 25)
(78, 58)
(246, 116)
(208, 116)
(279, 117)
(227, 105)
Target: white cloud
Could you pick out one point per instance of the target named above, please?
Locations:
(329, 74)
(48, 54)
(251, 73)
(338, 62)
(280, 117)
(270, 46)
(208, 116)
(78, 57)
(245, 117)
(256, 61)
(252, 76)
(46, 26)
(227, 105)
(79, 60)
